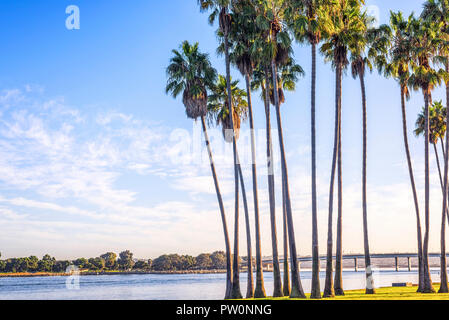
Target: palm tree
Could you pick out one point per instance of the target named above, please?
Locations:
(369, 47)
(438, 11)
(305, 22)
(242, 39)
(220, 9)
(398, 67)
(341, 24)
(443, 265)
(277, 48)
(263, 73)
(425, 78)
(437, 129)
(218, 112)
(191, 74)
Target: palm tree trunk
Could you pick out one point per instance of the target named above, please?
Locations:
(315, 291)
(222, 211)
(250, 283)
(297, 290)
(415, 196)
(428, 288)
(236, 293)
(338, 286)
(277, 291)
(437, 159)
(443, 264)
(329, 285)
(260, 288)
(287, 288)
(444, 156)
(368, 269)
(447, 108)
(439, 170)
(442, 144)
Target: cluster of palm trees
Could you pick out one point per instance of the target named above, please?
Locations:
(256, 36)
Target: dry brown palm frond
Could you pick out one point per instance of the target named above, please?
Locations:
(282, 55)
(276, 27)
(281, 96)
(227, 128)
(196, 105)
(244, 64)
(225, 20)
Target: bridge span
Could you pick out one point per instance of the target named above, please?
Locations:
(268, 261)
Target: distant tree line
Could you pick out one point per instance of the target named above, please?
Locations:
(110, 262)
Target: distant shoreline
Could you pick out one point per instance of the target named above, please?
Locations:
(180, 272)
(113, 273)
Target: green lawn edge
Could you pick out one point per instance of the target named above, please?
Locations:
(385, 293)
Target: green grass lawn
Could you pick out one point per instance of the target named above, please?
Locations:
(398, 293)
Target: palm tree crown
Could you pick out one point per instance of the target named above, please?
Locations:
(437, 122)
(288, 74)
(398, 61)
(218, 109)
(191, 73)
(369, 48)
(342, 27)
(423, 45)
(304, 19)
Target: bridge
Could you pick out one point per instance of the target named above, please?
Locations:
(267, 262)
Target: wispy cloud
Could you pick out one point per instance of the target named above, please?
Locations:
(77, 184)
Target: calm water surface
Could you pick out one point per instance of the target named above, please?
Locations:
(166, 287)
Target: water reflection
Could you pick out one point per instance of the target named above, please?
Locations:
(169, 287)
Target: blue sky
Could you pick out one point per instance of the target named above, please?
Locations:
(95, 157)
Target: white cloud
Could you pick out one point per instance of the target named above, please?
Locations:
(78, 184)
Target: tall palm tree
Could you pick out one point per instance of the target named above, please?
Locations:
(262, 76)
(437, 130)
(397, 66)
(305, 22)
(220, 9)
(277, 45)
(438, 11)
(190, 73)
(443, 265)
(425, 78)
(242, 37)
(341, 24)
(218, 112)
(368, 47)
